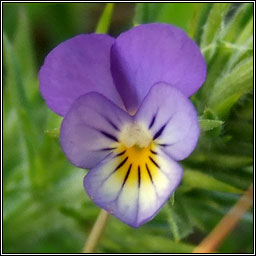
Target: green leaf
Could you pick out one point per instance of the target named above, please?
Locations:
(104, 22)
(178, 14)
(206, 208)
(172, 199)
(24, 49)
(146, 12)
(231, 87)
(221, 160)
(140, 240)
(241, 131)
(178, 220)
(208, 124)
(21, 104)
(212, 28)
(13, 70)
(245, 33)
(53, 133)
(240, 52)
(198, 20)
(234, 27)
(195, 179)
(225, 54)
(56, 216)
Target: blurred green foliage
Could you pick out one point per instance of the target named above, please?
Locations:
(45, 207)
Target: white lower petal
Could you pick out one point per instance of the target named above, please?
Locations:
(133, 190)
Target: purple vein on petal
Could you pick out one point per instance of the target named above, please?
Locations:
(152, 121)
(120, 153)
(154, 162)
(127, 175)
(165, 145)
(106, 149)
(160, 131)
(149, 173)
(118, 167)
(111, 123)
(151, 178)
(108, 135)
(157, 165)
(138, 176)
(108, 120)
(123, 184)
(153, 152)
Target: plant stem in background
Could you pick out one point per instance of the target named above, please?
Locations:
(96, 232)
(212, 242)
(104, 22)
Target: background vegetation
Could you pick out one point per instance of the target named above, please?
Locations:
(45, 207)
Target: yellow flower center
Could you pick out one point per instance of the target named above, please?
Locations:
(136, 158)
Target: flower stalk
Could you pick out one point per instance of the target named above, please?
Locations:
(96, 232)
(213, 241)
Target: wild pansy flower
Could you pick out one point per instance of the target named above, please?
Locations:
(127, 116)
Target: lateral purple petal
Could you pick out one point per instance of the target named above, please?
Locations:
(90, 130)
(75, 67)
(172, 120)
(151, 53)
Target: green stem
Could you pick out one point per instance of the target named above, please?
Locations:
(104, 22)
(96, 232)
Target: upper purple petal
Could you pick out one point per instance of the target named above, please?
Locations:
(90, 130)
(151, 53)
(75, 67)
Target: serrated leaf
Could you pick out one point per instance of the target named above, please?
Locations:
(231, 87)
(233, 29)
(104, 22)
(241, 52)
(209, 114)
(178, 220)
(208, 124)
(245, 33)
(225, 54)
(212, 28)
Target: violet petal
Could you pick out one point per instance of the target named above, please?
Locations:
(172, 120)
(90, 130)
(75, 67)
(151, 53)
